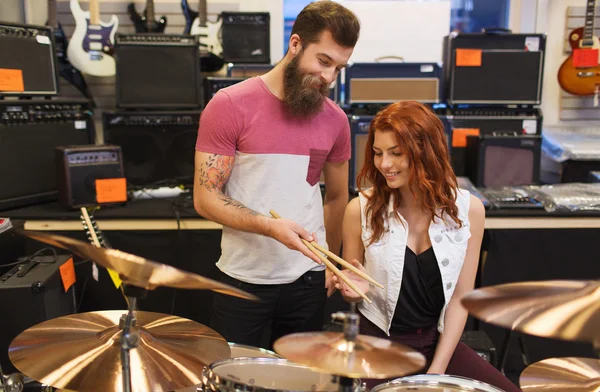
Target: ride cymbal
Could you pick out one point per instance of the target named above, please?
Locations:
(561, 309)
(81, 352)
(366, 357)
(567, 374)
(138, 271)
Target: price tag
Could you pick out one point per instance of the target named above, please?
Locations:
(111, 190)
(11, 80)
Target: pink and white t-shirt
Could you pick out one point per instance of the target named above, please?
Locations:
(278, 163)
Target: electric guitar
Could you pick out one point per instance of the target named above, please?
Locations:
(146, 23)
(65, 68)
(210, 44)
(93, 233)
(580, 75)
(92, 44)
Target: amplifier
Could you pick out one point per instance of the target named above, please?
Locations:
(30, 130)
(383, 83)
(493, 68)
(212, 84)
(359, 130)
(157, 71)
(488, 121)
(480, 342)
(31, 299)
(504, 160)
(30, 69)
(78, 168)
(246, 37)
(158, 147)
(247, 70)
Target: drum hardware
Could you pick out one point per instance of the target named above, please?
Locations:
(348, 354)
(11, 382)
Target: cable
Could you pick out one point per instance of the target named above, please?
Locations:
(32, 258)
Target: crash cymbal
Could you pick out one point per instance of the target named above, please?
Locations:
(561, 309)
(562, 375)
(135, 270)
(81, 352)
(366, 357)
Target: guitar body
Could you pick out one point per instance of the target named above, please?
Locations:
(141, 24)
(579, 80)
(92, 46)
(209, 35)
(61, 42)
(190, 16)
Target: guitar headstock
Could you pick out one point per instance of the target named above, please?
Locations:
(90, 226)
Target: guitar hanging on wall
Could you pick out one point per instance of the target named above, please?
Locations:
(147, 22)
(196, 23)
(579, 74)
(65, 68)
(92, 44)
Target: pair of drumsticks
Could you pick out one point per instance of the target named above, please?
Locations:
(318, 250)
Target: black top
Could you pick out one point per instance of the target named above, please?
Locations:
(421, 296)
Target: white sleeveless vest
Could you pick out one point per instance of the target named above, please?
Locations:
(384, 259)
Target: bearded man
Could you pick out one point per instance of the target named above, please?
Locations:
(262, 145)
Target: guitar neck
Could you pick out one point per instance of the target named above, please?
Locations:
(202, 12)
(149, 11)
(95, 235)
(52, 22)
(94, 12)
(588, 29)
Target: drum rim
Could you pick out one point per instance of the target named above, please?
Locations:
(253, 348)
(420, 378)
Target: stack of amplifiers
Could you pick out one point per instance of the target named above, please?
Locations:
(158, 146)
(384, 83)
(508, 130)
(30, 130)
(157, 71)
(30, 69)
(359, 130)
(493, 69)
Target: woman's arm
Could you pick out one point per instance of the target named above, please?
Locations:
(456, 314)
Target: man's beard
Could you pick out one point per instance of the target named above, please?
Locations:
(301, 94)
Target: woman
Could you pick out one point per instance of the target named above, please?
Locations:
(419, 235)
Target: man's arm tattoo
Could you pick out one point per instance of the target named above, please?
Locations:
(215, 172)
(234, 203)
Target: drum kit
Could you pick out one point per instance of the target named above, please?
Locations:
(135, 350)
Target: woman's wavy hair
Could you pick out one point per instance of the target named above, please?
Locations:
(421, 136)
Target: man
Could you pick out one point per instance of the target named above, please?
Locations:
(262, 145)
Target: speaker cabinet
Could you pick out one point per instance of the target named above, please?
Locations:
(157, 71)
(29, 300)
(78, 168)
(246, 37)
(504, 160)
(29, 133)
(158, 147)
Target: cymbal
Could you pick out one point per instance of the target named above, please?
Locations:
(135, 270)
(366, 357)
(567, 374)
(81, 352)
(561, 309)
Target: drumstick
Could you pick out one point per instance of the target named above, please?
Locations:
(329, 264)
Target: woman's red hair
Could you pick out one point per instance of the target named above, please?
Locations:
(421, 136)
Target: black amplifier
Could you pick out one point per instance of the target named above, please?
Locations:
(30, 69)
(30, 130)
(158, 146)
(212, 84)
(494, 68)
(246, 37)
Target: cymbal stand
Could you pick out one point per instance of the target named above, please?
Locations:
(351, 322)
(11, 383)
(130, 334)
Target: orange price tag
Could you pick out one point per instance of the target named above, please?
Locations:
(67, 274)
(585, 58)
(111, 190)
(468, 57)
(11, 80)
(459, 136)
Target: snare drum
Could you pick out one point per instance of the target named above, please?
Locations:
(265, 374)
(241, 350)
(435, 382)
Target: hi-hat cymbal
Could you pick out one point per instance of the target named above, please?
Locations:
(82, 352)
(561, 309)
(135, 270)
(366, 357)
(567, 374)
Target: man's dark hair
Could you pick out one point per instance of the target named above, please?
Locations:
(327, 15)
